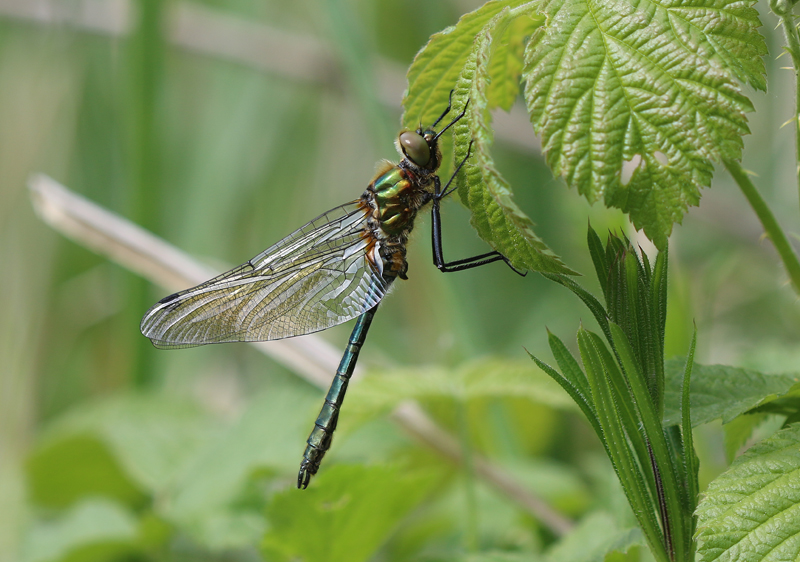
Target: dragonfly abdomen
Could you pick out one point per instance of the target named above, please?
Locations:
(322, 435)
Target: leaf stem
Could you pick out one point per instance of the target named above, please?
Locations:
(768, 221)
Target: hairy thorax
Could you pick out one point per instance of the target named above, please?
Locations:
(393, 199)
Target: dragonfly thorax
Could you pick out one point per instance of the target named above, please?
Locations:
(396, 195)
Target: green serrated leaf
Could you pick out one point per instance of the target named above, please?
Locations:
(648, 84)
(495, 215)
(719, 391)
(458, 58)
(438, 64)
(752, 511)
(505, 65)
(351, 510)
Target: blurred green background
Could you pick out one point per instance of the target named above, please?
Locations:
(223, 126)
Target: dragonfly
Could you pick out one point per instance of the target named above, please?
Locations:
(336, 268)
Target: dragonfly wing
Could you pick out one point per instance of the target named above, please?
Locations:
(317, 277)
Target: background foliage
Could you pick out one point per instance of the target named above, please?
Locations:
(112, 450)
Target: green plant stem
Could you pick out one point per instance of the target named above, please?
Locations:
(784, 12)
(768, 221)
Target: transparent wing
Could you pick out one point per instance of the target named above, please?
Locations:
(315, 278)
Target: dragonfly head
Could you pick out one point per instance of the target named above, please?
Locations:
(421, 148)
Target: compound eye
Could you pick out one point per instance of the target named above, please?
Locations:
(415, 147)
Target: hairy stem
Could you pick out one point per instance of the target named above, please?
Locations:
(768, 221)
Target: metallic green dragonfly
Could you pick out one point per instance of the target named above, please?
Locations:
(335, 268)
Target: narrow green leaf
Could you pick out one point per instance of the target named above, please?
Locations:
(495, 215)
(639, 84)
(588, 299)
(669, 486)
(658, 306)
(569, 366)
(719, 391)
(580, 399)
(617, 445)
(626, 409)
(752, 511)
(689, 456)
(635, 320)
(597, 252)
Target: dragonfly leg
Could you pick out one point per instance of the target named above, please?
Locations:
(440, 193)
(445, 112)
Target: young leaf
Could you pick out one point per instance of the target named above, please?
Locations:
(437, 66)
(609, 83)
(127, 448)
(505, 65)
(752, 511)
(486, 193)
(265, 438)
(477, 57)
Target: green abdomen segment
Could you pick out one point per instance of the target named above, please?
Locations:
(321, 436)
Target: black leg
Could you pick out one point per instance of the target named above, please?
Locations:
(436, 229)
(453, 122)
(446, 111)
